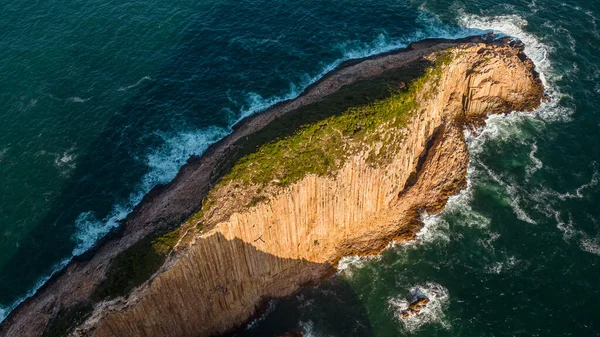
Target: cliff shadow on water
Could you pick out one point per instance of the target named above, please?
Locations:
(333, 306)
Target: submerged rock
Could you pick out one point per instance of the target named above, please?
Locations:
(415, 307)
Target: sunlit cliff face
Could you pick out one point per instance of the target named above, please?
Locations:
(297, 234)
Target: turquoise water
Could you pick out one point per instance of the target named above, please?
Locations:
(101, 100)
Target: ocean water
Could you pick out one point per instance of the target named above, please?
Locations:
(101, 100)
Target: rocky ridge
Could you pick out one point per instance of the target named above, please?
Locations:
(292, 235)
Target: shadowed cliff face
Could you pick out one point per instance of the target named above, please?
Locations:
(335, 307)
(223, 291)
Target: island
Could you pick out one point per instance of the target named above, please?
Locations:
(349, 166)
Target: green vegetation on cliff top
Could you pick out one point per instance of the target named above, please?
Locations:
(321, 146)
(319, 137)
(135, 265)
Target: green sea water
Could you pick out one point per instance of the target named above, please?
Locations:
(101, 100)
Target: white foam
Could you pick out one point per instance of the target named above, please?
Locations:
(270, 308)
(593, 19)
(533, 6)
(537, 163)
(436, 228)
(257, 103)
(435, 28)
(89, 229)
(513, 26)
(5, 310)
(562, 32)
(503, 266)
(66, 161)
(348, 264)
(488, 242)
(350, 50)
(515, 197)
(503, 126)
(536, 50)
(590, 245)
(433, 313)
(579, 191)
(570, 233)
(566, 227)
(545, 193)
(498, 127)
(78, 99)
(140, 81)
(164, 163)
(308, 329)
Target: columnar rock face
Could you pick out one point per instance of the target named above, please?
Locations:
(296, 237)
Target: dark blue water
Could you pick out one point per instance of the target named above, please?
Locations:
(101, 100)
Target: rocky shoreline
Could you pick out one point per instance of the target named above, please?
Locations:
(167, 207)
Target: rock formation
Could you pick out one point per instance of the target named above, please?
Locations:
(414, 309)
(256, 241)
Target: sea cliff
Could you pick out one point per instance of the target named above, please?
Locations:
(344, 169)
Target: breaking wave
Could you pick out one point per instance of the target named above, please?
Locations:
(164, 164)
(500, 127)
(348, 264)
(308, 329)
(5, 310)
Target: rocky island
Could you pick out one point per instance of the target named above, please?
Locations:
(344, 169)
